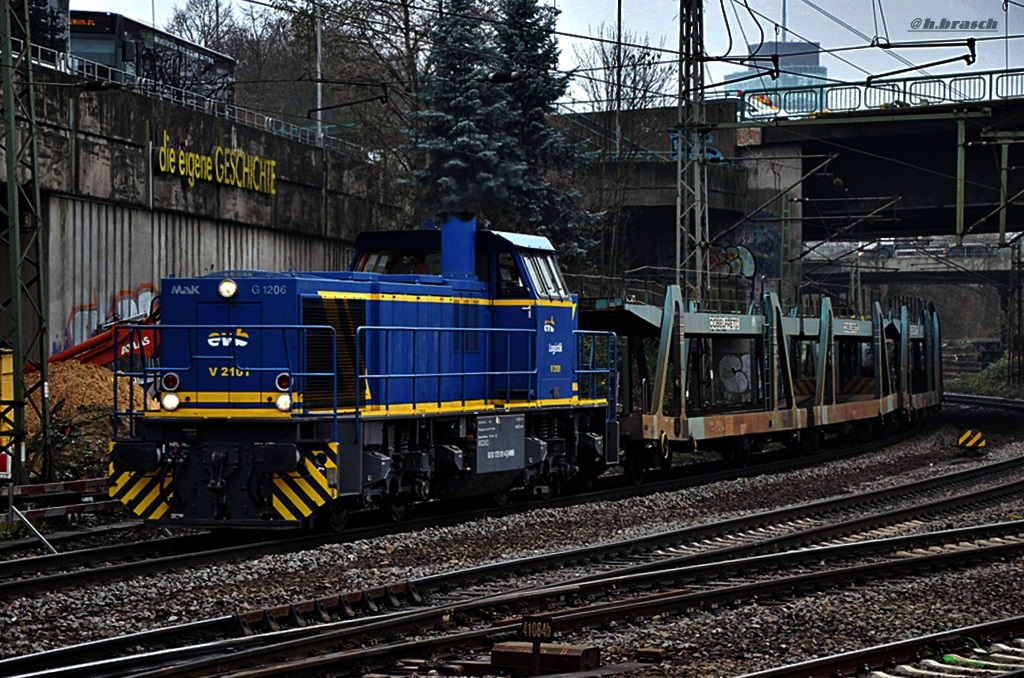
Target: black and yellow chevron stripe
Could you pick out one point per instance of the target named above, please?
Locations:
(147, 495)
(803, 387)
(299, 493)
(971, 438)
(295, 495)
(859, 386)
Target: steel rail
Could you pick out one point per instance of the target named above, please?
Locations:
(268, 659)
(614, 488)
(672, 568)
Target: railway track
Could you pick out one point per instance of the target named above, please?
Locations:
(22, 576)
(990, 649)
(984, 401)
(706, 560)
(61, 500)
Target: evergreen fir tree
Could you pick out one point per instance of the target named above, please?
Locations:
(527, 43)
(461, 127)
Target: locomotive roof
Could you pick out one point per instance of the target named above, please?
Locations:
(432, 238)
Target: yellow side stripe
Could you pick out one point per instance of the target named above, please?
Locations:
(430, 299)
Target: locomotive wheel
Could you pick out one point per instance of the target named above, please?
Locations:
(502, 499)
(338, 518)
(397, 508)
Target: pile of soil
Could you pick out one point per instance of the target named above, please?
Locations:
(81, 417)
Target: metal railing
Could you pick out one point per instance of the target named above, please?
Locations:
(292, 338)
(419, 375)
(597, 359)
(392, 365)
(813, 100)
(118, 79)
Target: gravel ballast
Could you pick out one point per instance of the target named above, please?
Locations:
(724, 642)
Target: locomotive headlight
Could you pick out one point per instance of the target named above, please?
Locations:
(284, 402)
(227, 288)
(170, 401)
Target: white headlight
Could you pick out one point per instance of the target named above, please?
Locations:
(227, 288)
(170, 401)
(284, 402)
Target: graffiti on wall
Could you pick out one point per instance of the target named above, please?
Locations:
(84, 319)
(710, 151)
(731, 260)
(766, 240)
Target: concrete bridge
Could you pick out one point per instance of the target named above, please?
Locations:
(915, 157)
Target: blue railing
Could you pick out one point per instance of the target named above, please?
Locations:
(476, 344)
(597, 359)
(294, 342)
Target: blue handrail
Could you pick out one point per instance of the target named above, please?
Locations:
(151, 373)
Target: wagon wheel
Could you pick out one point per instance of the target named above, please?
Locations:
(397, 508)
(634, 466)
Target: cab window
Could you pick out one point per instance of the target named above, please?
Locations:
(546, 277)
(510, 282)
(422, 262)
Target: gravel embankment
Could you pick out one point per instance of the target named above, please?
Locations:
(707, 643)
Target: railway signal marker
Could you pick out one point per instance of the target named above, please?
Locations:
(972, 441)
(5, 466)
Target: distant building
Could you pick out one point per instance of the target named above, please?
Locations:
(49, 24)
(799, 66)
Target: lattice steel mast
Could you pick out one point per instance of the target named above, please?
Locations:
(23, 327)
(691, 194)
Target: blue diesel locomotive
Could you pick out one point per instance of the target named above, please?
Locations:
(447, 362)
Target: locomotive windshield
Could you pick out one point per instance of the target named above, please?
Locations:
(545, 275)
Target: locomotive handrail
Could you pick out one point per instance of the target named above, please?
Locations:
(150, 374)
(610, 370)
(364, 381)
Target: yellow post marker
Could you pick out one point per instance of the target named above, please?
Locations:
(971, 441)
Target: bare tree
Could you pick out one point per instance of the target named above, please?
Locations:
(647, 73)
(619, 80)
(204, 22)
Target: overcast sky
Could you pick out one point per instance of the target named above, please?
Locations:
(658, 20)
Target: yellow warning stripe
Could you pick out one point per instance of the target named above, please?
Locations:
(288, 492)
(803, 387)
(283, 510)
(972, 439)
(160, 510)
(319, 478)
(119, 483)
(303, 485)
(141, 507)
